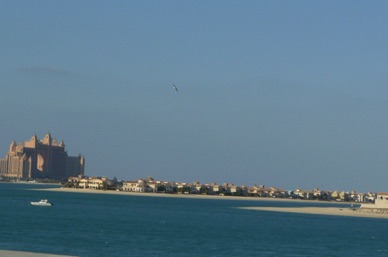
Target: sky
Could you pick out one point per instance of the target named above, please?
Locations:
(291, 94)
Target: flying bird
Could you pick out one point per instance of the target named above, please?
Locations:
(174, 87)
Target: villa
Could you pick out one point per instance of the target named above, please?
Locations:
(381, 203)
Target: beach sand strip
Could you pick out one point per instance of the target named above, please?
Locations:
(322, 211)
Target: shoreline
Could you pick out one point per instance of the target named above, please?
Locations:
(333, 211)
(187, 196)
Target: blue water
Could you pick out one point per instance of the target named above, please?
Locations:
(92, 225)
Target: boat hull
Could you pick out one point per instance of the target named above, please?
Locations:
(42, 203)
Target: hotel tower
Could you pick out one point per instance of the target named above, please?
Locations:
(44, 158)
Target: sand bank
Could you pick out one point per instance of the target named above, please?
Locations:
(4, 253)
(193, 196)
(322, 211)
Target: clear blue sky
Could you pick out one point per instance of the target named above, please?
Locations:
(291, 94)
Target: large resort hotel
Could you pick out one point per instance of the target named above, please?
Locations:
(44, 158)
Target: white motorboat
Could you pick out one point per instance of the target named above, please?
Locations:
(43, 202)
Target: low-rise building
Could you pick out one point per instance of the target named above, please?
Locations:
(97, 183)
(83, 183)
(87, 182)
(381, 202)
(214, 188)
(152, 186)
(135, 186)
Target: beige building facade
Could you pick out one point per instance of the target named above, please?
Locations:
(44, 158)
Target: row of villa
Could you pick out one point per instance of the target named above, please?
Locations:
(149, 185)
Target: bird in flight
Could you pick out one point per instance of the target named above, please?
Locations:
(174, 87)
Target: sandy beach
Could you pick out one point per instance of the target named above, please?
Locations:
(322, 211)
(4, 253)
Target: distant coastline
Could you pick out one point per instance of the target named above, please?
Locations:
(192, 196)
(351, 211)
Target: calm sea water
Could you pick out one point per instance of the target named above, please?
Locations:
(92, 225)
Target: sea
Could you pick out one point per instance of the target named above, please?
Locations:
(93, 225)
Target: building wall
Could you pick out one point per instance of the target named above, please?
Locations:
(75, 166)
(3, 166)
(18, 166)
(381, 201)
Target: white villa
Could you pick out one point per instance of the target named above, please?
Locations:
(91, 182)
(135, 186)
(381, 202)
